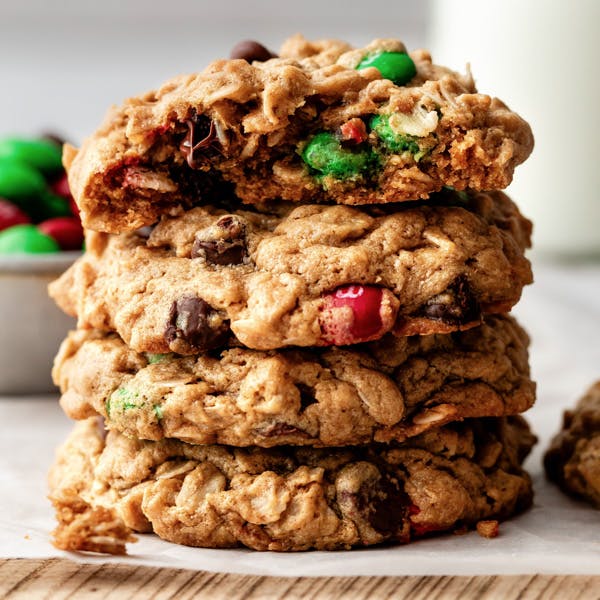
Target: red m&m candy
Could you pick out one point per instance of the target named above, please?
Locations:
(11, 214)
(66, 231)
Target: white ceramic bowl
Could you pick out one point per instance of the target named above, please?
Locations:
(31, 326)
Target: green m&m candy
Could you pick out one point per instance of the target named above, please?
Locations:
(43, 155)
(394, 142)
(397, 66)
(325, 154)
(26, 239)
(19, 182)
(121, 400)
(48, 206)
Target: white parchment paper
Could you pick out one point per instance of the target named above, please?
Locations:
(557, 536)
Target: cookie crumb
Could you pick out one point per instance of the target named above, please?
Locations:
(86, 528)
(488, 529)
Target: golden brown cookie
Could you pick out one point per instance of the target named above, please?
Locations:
(573, 458)
(386, 390)
(309, 275)
(290, 498)
(322, 121)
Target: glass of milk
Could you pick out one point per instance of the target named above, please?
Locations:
(542, 58)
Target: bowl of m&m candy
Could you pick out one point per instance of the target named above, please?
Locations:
(37, 212)
(40, 236)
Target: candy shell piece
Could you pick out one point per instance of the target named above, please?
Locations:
(20, 182)
(26, 239)
(43, 155)
(10, 215)
(66, 231)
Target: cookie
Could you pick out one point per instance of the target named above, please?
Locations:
(321, 122)
(573, 458)
(289, 498)
(308, 275)
(387, 390)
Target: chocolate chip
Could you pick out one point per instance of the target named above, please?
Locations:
(454, 306)
(279, 429)
(387, 507)
(200, 141)
(381, 503)
(202, 187)
(307, 396)
(194, 321)
(220, 252)
(249, 50)
(222, 244)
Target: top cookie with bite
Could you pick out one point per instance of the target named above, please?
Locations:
(320, 122)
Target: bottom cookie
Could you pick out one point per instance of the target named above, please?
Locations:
(289, 498)
(573, 458)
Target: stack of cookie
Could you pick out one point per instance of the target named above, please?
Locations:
(292, 306)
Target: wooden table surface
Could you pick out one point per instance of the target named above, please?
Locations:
(57, 579)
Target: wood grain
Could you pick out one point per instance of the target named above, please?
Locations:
(59, 579)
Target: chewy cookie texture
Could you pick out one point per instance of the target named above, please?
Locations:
(308, 275)
(322, 121)
(573, 458)
(387, 390)
(104, 486)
